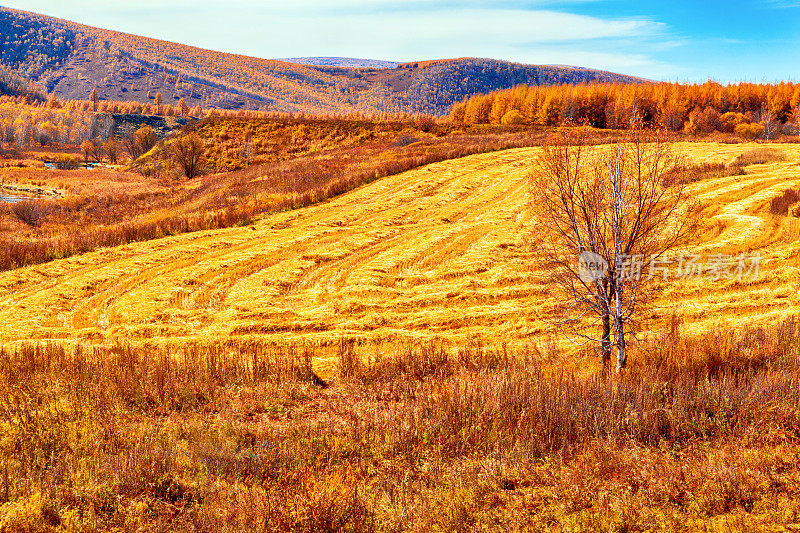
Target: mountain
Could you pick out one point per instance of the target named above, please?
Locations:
(349, 62)
(69, 60)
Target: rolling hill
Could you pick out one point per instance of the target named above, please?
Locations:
(442, 251)
(69, 60)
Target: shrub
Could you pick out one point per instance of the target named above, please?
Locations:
(750, 132)
(760, 156)
(785, 204)
(513, 117)
(684, 174)
(404, 140)
(65, 162)
(31, 212)
(729, 121)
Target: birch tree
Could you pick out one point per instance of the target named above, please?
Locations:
(606, 218)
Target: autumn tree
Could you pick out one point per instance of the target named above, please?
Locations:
(111, 150)
(140, 142)
(611, 105)
(513, 117)
(94, 98)
(87, 147)
(188, 154)
(606, 208)
(183, 107)
(749, 131)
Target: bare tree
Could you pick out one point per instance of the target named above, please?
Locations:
(770, 124)
(796, 120)
(31, 212)
(605, 215)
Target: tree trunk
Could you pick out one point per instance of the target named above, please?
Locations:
(605, 340)
(619, 329)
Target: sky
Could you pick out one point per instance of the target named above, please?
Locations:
(673, 40)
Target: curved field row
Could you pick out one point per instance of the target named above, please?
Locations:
(441, 251)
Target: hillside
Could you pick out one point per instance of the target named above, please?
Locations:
(70, 60)
(438, 252)
(13, 85)
(383, 361)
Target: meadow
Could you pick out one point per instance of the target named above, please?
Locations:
(385, 360)
(445, 251)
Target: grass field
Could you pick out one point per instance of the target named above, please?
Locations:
(174, 384)
(445, 251)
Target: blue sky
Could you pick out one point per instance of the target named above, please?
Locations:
(679, 40)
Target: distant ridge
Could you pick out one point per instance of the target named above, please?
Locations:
(70, 60)
(348, 62)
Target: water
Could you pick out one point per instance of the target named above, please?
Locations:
(10, 198)
(87, 166)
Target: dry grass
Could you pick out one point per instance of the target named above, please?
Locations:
(760, 156)
(446, 250)
(684, 174)
(702, 430)
(174, 384)
(307, 161)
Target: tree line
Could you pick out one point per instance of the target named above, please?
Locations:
(747, 109)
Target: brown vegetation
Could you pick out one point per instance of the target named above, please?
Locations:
(699, 430)
(782, 204)
(300, 172)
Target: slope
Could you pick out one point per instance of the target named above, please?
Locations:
(438, 252)
(70, 60)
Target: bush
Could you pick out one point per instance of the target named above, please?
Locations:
(729, 121)
(760, 156)
(786, 204)
(404, 140)
(750, 132)
(513, 117)
(683, 174)
(65, 162)
(31, 212)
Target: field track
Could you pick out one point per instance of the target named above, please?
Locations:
(441, 251)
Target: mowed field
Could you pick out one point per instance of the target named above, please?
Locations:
(444, 251)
